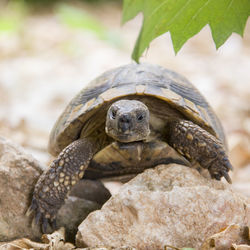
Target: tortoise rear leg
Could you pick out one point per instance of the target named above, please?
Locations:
(197, 144)
(54, 184)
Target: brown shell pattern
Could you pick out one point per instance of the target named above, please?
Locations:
(133, 79)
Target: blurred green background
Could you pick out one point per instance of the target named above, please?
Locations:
(70, 13)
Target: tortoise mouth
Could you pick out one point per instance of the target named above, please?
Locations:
(127, 138)
(130, 136)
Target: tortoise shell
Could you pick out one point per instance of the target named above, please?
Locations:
(87, 111)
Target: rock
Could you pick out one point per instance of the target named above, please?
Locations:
(72, 213)
(92, 190)
(85, 197)
(169, 205)
(18, 175)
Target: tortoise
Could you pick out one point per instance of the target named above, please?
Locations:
(129, 119)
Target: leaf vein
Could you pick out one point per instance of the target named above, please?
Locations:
(178, 13)
(198, 11)
(156, 9)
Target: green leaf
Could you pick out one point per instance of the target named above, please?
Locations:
(131, 9)
(185, 18)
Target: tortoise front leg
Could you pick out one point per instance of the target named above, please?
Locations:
(54, 184)
(197, 144)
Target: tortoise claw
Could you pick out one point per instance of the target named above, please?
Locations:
(216, 171)
(29, 211)
(31, 208)
(33, 205)
(40, 218)
(227, 177)
(228, 165)
(44, 224)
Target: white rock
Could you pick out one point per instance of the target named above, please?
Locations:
(169, 205)
(18, 175)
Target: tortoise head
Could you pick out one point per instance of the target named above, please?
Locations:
(128, 121)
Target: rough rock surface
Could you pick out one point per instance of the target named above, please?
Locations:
(18, 175)
(168, 205)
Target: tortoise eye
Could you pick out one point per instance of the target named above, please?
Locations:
(140, 117)
(113, 114)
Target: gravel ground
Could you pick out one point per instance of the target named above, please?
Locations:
(45, 62)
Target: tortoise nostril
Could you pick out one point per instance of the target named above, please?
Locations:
(125, 119)
(124, 122)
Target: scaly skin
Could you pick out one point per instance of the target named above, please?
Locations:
(54, 184)
(187, 138)
(196, 144)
